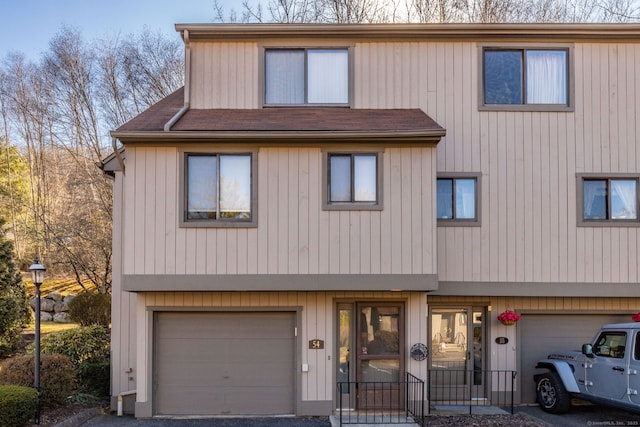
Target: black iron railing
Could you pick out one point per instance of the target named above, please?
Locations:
(382, 402)
(470, 388)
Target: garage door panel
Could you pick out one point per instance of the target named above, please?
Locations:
(542, 334)
(224, 363)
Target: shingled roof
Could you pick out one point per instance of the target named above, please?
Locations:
(278, 123)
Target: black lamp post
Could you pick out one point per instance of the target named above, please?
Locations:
(37, 277)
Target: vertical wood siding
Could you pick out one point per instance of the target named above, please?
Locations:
(317, 323)
(528, 160)
(224, 75)
(294, 236)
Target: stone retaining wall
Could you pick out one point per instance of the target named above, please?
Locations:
(54, 307)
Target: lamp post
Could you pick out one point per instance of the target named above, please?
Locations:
(37, 277)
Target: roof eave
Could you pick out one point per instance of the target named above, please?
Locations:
(390, 31)
(418, 136)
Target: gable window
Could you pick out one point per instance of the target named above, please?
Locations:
(608, 200)
(218, 188)
(527, 79)
(457, 199)
(306, 76)
(353, 181)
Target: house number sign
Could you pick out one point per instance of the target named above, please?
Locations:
(316, 344)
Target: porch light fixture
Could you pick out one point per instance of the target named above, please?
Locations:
(37, 277)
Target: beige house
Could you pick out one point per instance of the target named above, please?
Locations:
(315, 190)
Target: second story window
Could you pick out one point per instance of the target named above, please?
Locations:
(457, 199)
(306, 77)
(534, 78)
(353, 181)
(608, 200)
(218, 188)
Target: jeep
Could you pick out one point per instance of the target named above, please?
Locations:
(604, 372)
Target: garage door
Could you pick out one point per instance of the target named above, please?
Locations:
(224, 363)
(548, 333)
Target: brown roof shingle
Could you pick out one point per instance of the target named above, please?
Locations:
(302, 121)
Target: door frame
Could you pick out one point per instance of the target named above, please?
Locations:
(354, 356)
(472, 309)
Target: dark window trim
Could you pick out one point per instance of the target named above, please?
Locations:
(306, 47)
(351, 206)
(581, 222)
(183, 222)
(569, 107)
(453, 222)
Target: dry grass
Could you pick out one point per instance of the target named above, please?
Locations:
(61, 286)
(49, 327)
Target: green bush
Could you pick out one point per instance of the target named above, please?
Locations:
(17, 405)
(91, 308)
(57, 376)
(88, 348)
(90, 343)
(94, 378)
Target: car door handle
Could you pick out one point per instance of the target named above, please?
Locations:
(618, 368)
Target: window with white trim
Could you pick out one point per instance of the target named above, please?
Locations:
(306, 76)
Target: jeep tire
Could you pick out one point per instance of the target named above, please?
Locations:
(552, 396)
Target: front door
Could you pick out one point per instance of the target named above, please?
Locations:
(456, 359)
(371, 354)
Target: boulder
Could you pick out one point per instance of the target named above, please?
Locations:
(47, 304)
(62, 317)
(60, 306)
(55, 296)
(45, 316)
(69, 298)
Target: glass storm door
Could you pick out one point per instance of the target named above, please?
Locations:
(380, 363)
(456, 358)
(370, 351)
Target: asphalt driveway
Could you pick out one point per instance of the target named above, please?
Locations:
(130, 421)
(584, 415)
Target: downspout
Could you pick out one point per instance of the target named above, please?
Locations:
(117, 153)
(187, 91)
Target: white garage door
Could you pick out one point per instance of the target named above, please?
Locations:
(541, 334)
(224, 363)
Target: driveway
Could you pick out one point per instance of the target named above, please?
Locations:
(584, 415)
(130, 421)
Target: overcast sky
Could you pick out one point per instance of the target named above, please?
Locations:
(27, 26)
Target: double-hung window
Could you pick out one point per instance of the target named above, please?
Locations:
(526, 78)
(608, 200)
(219, 189)
(457, 199)
(306, 77)
(353, 181)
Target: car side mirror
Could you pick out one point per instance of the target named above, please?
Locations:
(587, 350)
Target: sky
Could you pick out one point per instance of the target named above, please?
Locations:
(27, 26)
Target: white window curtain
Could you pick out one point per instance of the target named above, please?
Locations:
(328, 76)
(340, 169)
(284, 76)
(364, 178)
(465, 198)
(202, 186)
(235, 186)
(623, 199)
(546, 77)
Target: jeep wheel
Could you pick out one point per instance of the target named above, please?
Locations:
(552, 396)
